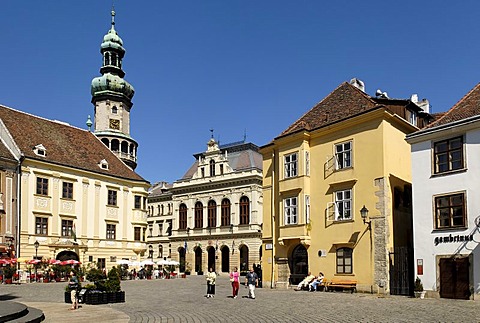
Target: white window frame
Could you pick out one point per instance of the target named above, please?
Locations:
(343, 156)
(307, 163)
(290, 210)
(343, 203)
(291, 165)
(307, 209)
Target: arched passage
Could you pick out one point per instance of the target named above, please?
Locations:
(181, 253)
(225, 259)
(244, 258)
(211, 258)
(298, 262)
(67, 255)
(198, 260)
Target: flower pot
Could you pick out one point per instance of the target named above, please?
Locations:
(45, 280)
(8, 281)
(420, 295)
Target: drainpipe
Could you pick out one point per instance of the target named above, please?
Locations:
(18, 222)
(272, 283)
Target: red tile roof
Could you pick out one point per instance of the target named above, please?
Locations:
(64, 144)
(467, 107)
(345, 101)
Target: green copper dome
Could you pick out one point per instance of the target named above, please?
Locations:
(112, 41)
(109, 83)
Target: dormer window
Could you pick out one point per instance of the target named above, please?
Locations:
(40, 150)
(103, 164)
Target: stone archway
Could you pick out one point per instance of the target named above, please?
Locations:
(67, 255)
(181, 253)
(225, 259)
(211, 258)
(198, 261)
(244, 266)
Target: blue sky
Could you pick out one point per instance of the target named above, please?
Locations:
(234, 66)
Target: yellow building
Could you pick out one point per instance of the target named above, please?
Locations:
(348, 152)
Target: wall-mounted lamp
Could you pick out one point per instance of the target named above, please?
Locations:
(364, 214)
(188, 231)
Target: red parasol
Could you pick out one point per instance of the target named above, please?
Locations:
(34, 261)
(70, 262)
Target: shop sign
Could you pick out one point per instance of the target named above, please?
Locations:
(451, 239)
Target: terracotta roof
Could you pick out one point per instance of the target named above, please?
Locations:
(467, 107)
(64, 144)
(345, 101)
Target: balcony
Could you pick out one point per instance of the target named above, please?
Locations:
(294, 232)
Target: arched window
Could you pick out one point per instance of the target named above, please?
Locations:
(160, 251)
(212, 167)
(115, 145)
(344, 261)
(182, 217)
(225, 212)
(106, 142)
(212, 214)
(198, 215)
(114, 109)
(125, 147)
(244, 210)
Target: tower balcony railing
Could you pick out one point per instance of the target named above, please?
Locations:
(123, 155)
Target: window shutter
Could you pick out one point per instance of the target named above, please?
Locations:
(330, 214)
(330, 165)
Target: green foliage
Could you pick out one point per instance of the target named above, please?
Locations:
(95, 275)
(418, 285)
(113, 281)
(9, 271)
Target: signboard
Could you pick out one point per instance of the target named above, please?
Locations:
(269, 246)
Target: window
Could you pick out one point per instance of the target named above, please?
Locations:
(182, 217)
(67, 191)
(221, 169)
(244, 210)
(203, 171)
(225, 212)
(212, 214)
(112, 197)
(307, 163)
(290, 209)
(343, 203)
(138, 202)
(291, 165)
(160, 251)
(212, 167)
(137, 233)
(101, 263)
(448, 155)
(160, 229)
(307, 209)
(67, 228)
(114, 110)
(41, 226)
(344, 261)
(111, 231)
(42, 186)
(450, 211)
(343, 155)
(198, 215)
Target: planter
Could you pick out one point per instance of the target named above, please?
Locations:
(8, 281)
(68, 297)
(45, 280)
(420, 295)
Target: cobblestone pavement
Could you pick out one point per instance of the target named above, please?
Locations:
(183, 300)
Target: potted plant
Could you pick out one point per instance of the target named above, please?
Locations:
(188, 268)
(8, 272)
(418, 289)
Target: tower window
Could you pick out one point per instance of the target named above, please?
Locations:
(114, 109)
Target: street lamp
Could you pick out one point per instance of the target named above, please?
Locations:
(9, 248)
(364, 214)
(36, 245)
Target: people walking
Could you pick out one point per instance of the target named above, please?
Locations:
(211, 278)
(73, 286)
(251, 281)
(235, 280)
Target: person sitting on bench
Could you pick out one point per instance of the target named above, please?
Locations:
(306, 281)
(317, 281)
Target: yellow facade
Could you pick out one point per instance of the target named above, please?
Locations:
(379, 163)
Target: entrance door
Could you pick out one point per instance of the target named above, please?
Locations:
(454, 278)
(211, 258)
(244, 266)
(225, 259)
(401, 274)
(181, 252)
(198, 261)
(298, 264)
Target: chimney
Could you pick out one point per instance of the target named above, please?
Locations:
(424, 105)
(358, 84)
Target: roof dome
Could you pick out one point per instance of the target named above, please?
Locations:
(112, 41)
(109, 83)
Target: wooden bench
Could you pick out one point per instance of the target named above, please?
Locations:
(342, 284)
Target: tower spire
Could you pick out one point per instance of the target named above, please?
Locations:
(113, 14)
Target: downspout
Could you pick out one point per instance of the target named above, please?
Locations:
(272, 283)
(19, 221)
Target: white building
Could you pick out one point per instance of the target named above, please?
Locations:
(216, 211)
(446, 203)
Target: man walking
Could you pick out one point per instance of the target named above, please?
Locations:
(251, 281)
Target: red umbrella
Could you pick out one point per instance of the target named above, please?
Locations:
(70, 262)
(34, 261)
(54, 262)
(4, 262)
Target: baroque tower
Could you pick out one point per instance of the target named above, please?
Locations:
(112, 99)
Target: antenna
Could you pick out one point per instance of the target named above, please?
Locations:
(244, 135)
(211, 130)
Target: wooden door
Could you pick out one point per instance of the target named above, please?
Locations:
(454, 278)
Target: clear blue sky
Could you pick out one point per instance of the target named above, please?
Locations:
(254, 65)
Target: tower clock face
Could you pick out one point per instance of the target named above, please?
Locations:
(115, 124)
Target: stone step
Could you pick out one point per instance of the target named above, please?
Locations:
(17, 312)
